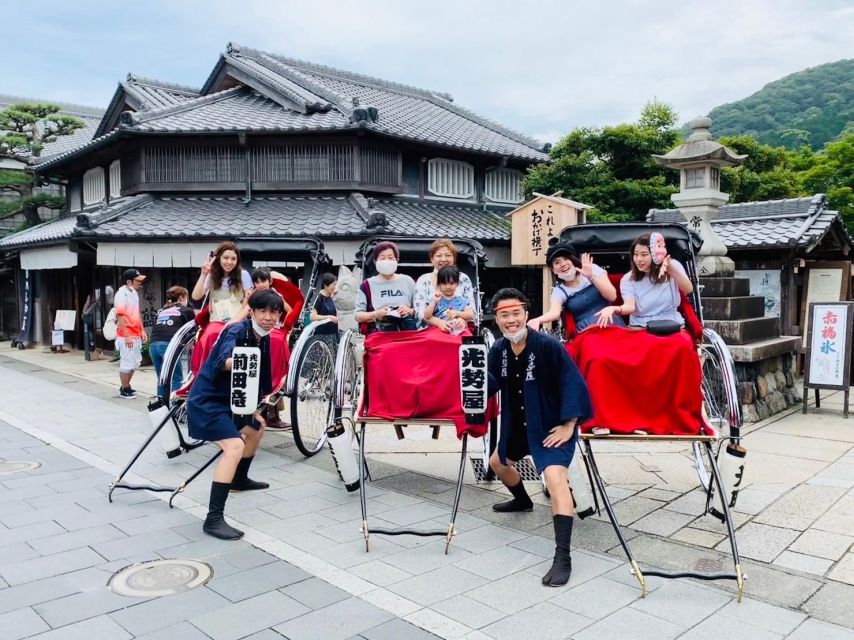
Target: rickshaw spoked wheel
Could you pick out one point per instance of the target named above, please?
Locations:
(311, 404)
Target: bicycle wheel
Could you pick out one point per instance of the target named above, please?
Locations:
(311, 403)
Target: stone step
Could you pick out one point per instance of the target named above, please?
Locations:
(764, 349)
(724, 287)
(733, 308)
(745, 331)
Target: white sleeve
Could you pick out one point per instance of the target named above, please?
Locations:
(247, 280)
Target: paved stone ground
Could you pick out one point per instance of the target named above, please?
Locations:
(302, 570)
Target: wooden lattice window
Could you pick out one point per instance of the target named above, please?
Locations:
(115, 179)
(503, 185)
(93, 186)
(450, 178)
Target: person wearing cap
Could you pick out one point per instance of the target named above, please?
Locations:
(129, 332)
(583, 288)
(543, 401)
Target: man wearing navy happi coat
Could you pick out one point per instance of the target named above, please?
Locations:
(543, 400)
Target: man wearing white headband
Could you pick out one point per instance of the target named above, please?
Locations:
(543, 400)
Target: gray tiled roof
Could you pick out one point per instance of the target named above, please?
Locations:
(771, 223)
(438, 220)
(155, 94)
(283, 94)
(216, 216)
(404, 111)
(152, 218)
(238, 109)
(142, 94)
(89, 115)
(46, 233)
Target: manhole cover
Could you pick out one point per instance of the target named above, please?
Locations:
(160, 578)
(14, 466)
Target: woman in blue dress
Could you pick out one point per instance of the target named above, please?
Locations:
(583, 288)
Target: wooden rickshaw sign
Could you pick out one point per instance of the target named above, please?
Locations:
(537, 221)
(828, 349)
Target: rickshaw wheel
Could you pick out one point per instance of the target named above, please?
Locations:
(347, 375)
(311, 404)
(177, 362)
(720, 398)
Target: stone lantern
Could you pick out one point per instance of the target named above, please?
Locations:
(699, 160)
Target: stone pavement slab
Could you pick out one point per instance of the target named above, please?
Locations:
(309, 575)
(833, 603)
(630, 624)
(812, 629)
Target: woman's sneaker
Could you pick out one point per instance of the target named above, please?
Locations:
(127, 392)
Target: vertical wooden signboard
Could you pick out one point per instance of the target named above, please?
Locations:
(828, 349)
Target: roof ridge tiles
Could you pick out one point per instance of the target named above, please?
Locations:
(86, 222)
(322, 69)
(161, 84)
(129, 119)
(440, 99)
(292, 91)
(335, 98)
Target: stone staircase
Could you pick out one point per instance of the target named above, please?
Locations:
(763, 358)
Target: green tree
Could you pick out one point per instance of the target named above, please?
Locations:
(831, 171)
(24, 130)
(768, 173)
(611, 168)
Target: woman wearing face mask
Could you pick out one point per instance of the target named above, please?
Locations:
(443, 253)
(583, 288)
(384, 301)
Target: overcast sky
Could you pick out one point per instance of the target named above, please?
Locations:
(540, 67)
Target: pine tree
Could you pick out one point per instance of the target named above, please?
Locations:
(24, 130)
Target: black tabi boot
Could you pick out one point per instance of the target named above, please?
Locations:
(520, 501)
(215, 524)
(558, 575)
(242, 481)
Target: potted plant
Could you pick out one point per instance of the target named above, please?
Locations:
(146, 355)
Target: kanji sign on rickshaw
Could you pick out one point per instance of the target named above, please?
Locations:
(245, 380)
(473, 382)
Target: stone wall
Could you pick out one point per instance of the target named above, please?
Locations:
(766, 387)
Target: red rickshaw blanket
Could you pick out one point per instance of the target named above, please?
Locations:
(416, 374)
(638, 381)
(279, 352)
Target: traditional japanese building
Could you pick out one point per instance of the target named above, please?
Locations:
(267, 148)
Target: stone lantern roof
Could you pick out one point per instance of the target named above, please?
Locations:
(699, 148)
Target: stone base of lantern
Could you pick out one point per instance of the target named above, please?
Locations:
(715, 266)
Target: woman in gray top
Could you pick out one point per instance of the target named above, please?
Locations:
(650, 291)
(385, 300)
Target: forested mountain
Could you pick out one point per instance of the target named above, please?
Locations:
(809, 107)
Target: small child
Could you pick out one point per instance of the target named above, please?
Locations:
(446, 304)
